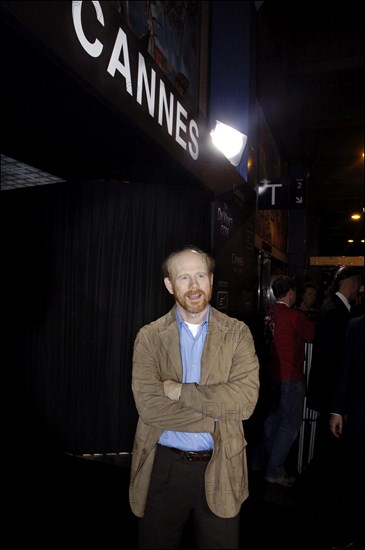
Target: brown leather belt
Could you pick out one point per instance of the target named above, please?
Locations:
(191, 456)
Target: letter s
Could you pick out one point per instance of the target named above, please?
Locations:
(194, 133)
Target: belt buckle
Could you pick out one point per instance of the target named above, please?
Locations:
(191, 455)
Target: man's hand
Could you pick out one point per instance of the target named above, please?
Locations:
(172, 389)
(336, 424)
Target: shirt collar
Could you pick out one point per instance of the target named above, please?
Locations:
(344, 300)
(284, 303)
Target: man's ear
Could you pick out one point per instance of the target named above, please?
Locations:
(168, 285)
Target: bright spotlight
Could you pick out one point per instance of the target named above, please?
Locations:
(229, 141)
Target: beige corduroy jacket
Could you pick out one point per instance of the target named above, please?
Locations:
(227, 395)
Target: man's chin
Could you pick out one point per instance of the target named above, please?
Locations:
(196, 308)
(193, 307)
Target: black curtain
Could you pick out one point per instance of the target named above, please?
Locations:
(81, 275)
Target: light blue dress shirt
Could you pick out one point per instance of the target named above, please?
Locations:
(191, 349)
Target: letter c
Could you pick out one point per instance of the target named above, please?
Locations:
(94, 49)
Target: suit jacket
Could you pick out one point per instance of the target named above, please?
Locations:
(227, 395)
(328, 352)
(348, 398)
(349, 394)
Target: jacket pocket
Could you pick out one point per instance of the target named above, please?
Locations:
(234, 450)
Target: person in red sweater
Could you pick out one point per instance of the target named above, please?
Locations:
(289, 329)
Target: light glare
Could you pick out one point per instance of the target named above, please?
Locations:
(229, 141)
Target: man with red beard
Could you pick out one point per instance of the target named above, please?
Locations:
(195, 379)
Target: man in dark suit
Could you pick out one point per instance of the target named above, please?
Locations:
(329, 339)
(348, 399)
(327, 361)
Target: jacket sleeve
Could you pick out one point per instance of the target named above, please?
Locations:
(153, 407)
(234, 396)
(353, 363)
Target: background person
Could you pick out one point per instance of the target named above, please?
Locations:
(330, 334)
(308, 303)
(328, 356)
(348, 421)
(195, 379)
(290, 329)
